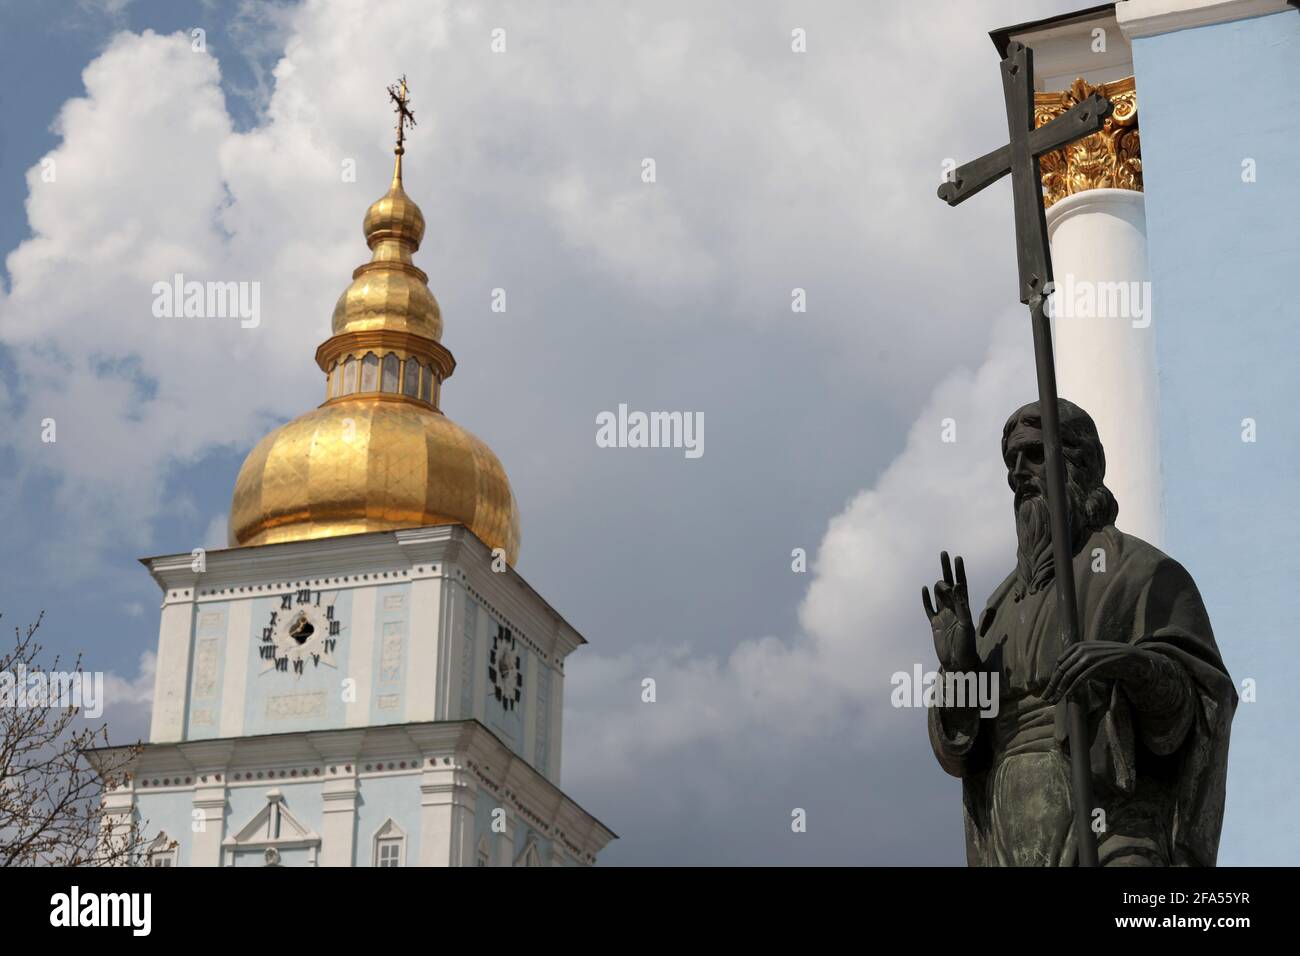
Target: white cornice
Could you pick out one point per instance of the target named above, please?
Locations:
(1144, 18)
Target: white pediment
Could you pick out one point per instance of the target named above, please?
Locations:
(272, 829)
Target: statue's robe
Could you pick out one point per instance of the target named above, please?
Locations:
(1158, 765)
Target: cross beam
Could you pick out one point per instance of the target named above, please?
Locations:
(1033, 256)
(1020, 158)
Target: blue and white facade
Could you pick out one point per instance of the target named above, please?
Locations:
(1220, 90)
(391, 698)
(1196, 403)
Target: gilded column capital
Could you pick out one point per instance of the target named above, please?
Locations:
(1108, 159)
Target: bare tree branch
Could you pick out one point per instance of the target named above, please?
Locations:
(51, 811)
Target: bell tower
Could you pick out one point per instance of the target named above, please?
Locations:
(362, 678)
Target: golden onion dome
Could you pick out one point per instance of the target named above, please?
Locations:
(363, 464)
(378, 454)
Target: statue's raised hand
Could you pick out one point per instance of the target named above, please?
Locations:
(951, 625)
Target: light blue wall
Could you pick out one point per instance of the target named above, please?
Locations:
(169, 812)
(1223, 256)
(381, 798)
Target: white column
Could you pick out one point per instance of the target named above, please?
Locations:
(115, 828)
(209, 821)
(1105, 361)
(172, 677)
(506, 840)
(442, 797)
(426, 682)
(339, 820)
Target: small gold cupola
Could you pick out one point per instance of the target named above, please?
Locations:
(378, 454)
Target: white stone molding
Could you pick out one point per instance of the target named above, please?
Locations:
(1143, 18)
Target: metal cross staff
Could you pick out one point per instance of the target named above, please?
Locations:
(1020, 159)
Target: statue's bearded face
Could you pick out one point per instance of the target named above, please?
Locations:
(1089, 504)
(1026, 471)
(1027, 476)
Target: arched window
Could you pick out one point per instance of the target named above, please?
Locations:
(411, 380)
(370, 373)
(332, 381)
(426, 383)
(349, 376)
(391, 364)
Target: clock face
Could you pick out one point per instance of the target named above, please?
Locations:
(301, 631)
(504, 670)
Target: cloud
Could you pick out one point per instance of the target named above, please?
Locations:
(215, 538)
(128, 701)
(770, 176)
(861, 618)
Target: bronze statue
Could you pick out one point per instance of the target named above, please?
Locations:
(1158, 699)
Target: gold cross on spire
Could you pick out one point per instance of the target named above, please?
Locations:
(405, 116)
